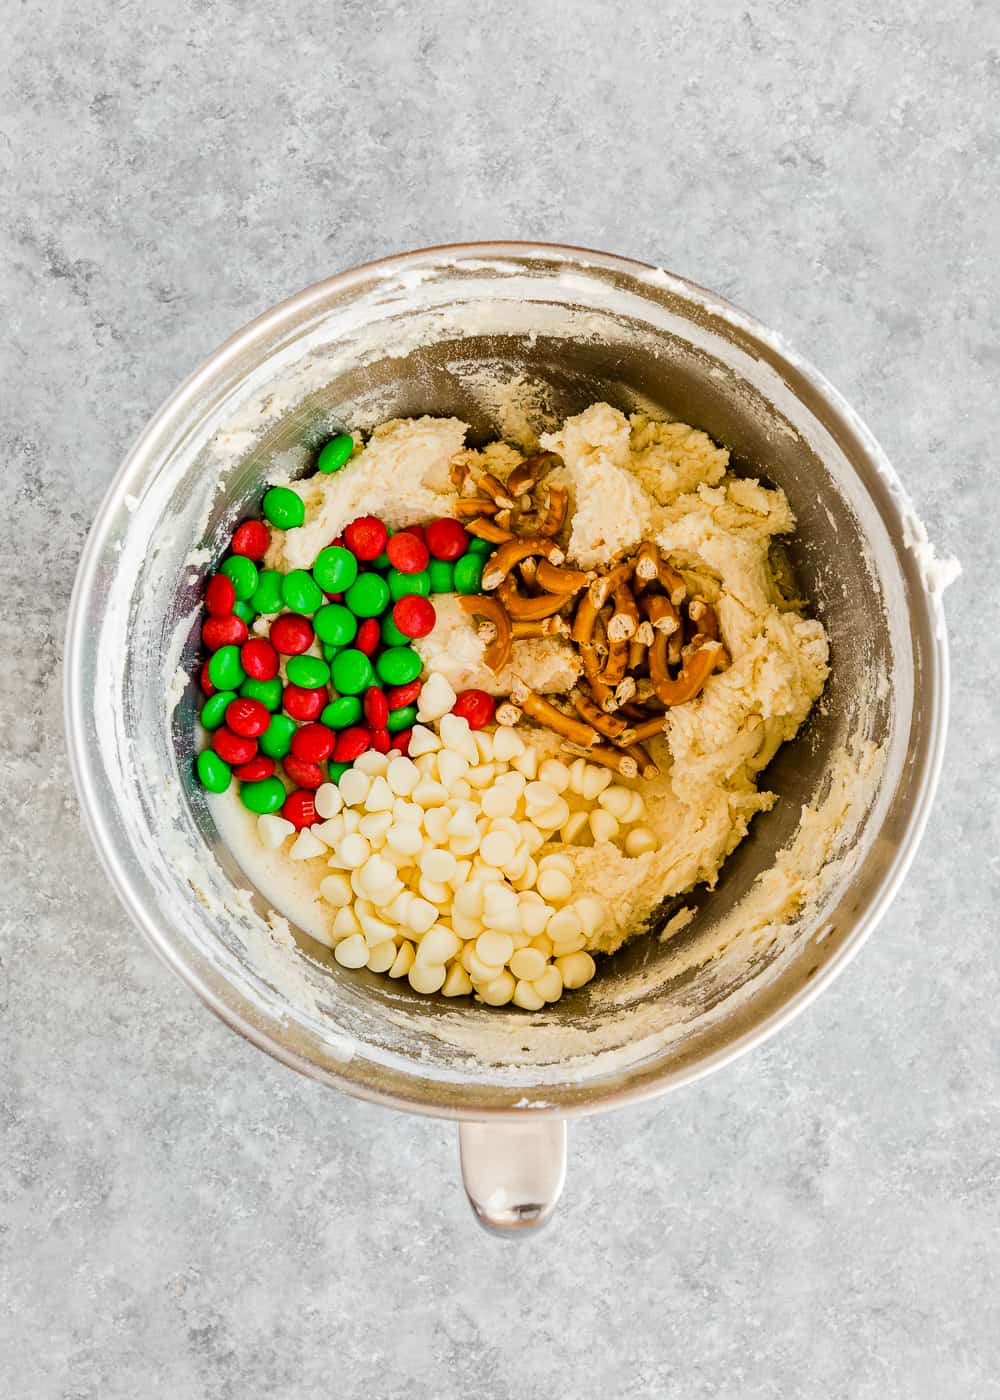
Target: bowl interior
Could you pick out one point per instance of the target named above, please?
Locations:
(510, 346)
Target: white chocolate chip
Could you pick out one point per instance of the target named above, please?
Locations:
(423, 741)
(494, 948)
(440, 866)
(552, 817)
(352, 951)
(420, 916)
(305, 846)
(433, 891)
(555, 773)
(380, 796)
(404, 838)
(404, 960)
(507, 745)
(575, 827)
(640, 840)
(327, 800)
(554, 885)
(457, 983)
(528, 964)
(526, 762)
(457, 736)
(273, 830)
(603, 825)
(595, 780)
(484, 743)
(438, 946)
(497, 848)
(617, 800)
(346, 922)
(500, 802)
(375, 827)
(382, 956)
(402, 775)
(637, 808)
(550, 984)
(436, 698)
(336, 890)
(526, 997)
(353, 850)
(576, 969)
(499, 991)
(426, 978)
(372, 762)
(577, 769)
(354, 786)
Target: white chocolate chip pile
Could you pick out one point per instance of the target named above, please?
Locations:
(438, 868)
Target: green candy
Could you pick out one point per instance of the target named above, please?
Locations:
(352, 672)
(267, 598)
(267, 692)
(300, 593)
(337, 771)
(276, 739)
(335, 625)
(398, 666)
(283, 508)
(264, 796)
(244, 611)
(242, 574)
(341, 713)
(442, 576)
(335, 454)
(391, 635)
(367, 596)
(213, 712)
(478, 546)
(402, 584)
(330, 652)
(307, 671)
(335, 569)
(381, 562)
(469, 573)
(225, 670)
(214, 773)
(402, 718)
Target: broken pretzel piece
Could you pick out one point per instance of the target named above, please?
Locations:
(546, 714)
(608, 757)
(611, 726)
(512, 552)
(624, 621)
(703, 616)
(497, 492)
(497, 653)
(672, 583)
(560, 580)
(532, 469)
(542, 627)
(647, 768)
(660, 613)
(527, 609)
(697, 668)
(555, 515)
(489, 530)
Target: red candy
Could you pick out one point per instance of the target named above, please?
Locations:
(417, 530)
(400, 695)
(220, 595)
(259, 658)
(401, 741)
(414, 615)
(407, 553)
(233, 748)
(250, 539)
(366, 537)
(303, 774)
(223, 632)
(256, 770)
(300, 703)
(474, 706)
(446, 539)
(351, 744)
(368, 636)
(376, 708)
(313, 743)
(299, 808)
(381, 740)
(205, 680)
(291, 634)
(248, 718)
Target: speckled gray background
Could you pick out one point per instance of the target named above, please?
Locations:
(181, 1217)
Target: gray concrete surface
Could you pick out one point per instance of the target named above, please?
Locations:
(183, 1218)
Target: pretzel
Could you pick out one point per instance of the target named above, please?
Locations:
(675, 648)
(647, 768)
(528, 569)
(609, 725)
(602, 693)
(649, 729)
(637, 653)
(584, 620)
(604, 587)
(556, 580)
(467, 507)
(545, 713)
(507, 714)
(697, 668)
(529, 609)
(647, 565)
(625, 618)
(704, 617)
(512, 552)
(555, 514)
(495, 489)
(672, 583)
(615, 666)
(526, 473)
(608, 757)
(484, 529)
(543, 627)
(497, 654)
(660, 613)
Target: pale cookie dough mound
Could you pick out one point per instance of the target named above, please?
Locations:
(456, 650)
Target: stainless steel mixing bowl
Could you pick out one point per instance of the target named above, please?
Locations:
(443, 331)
